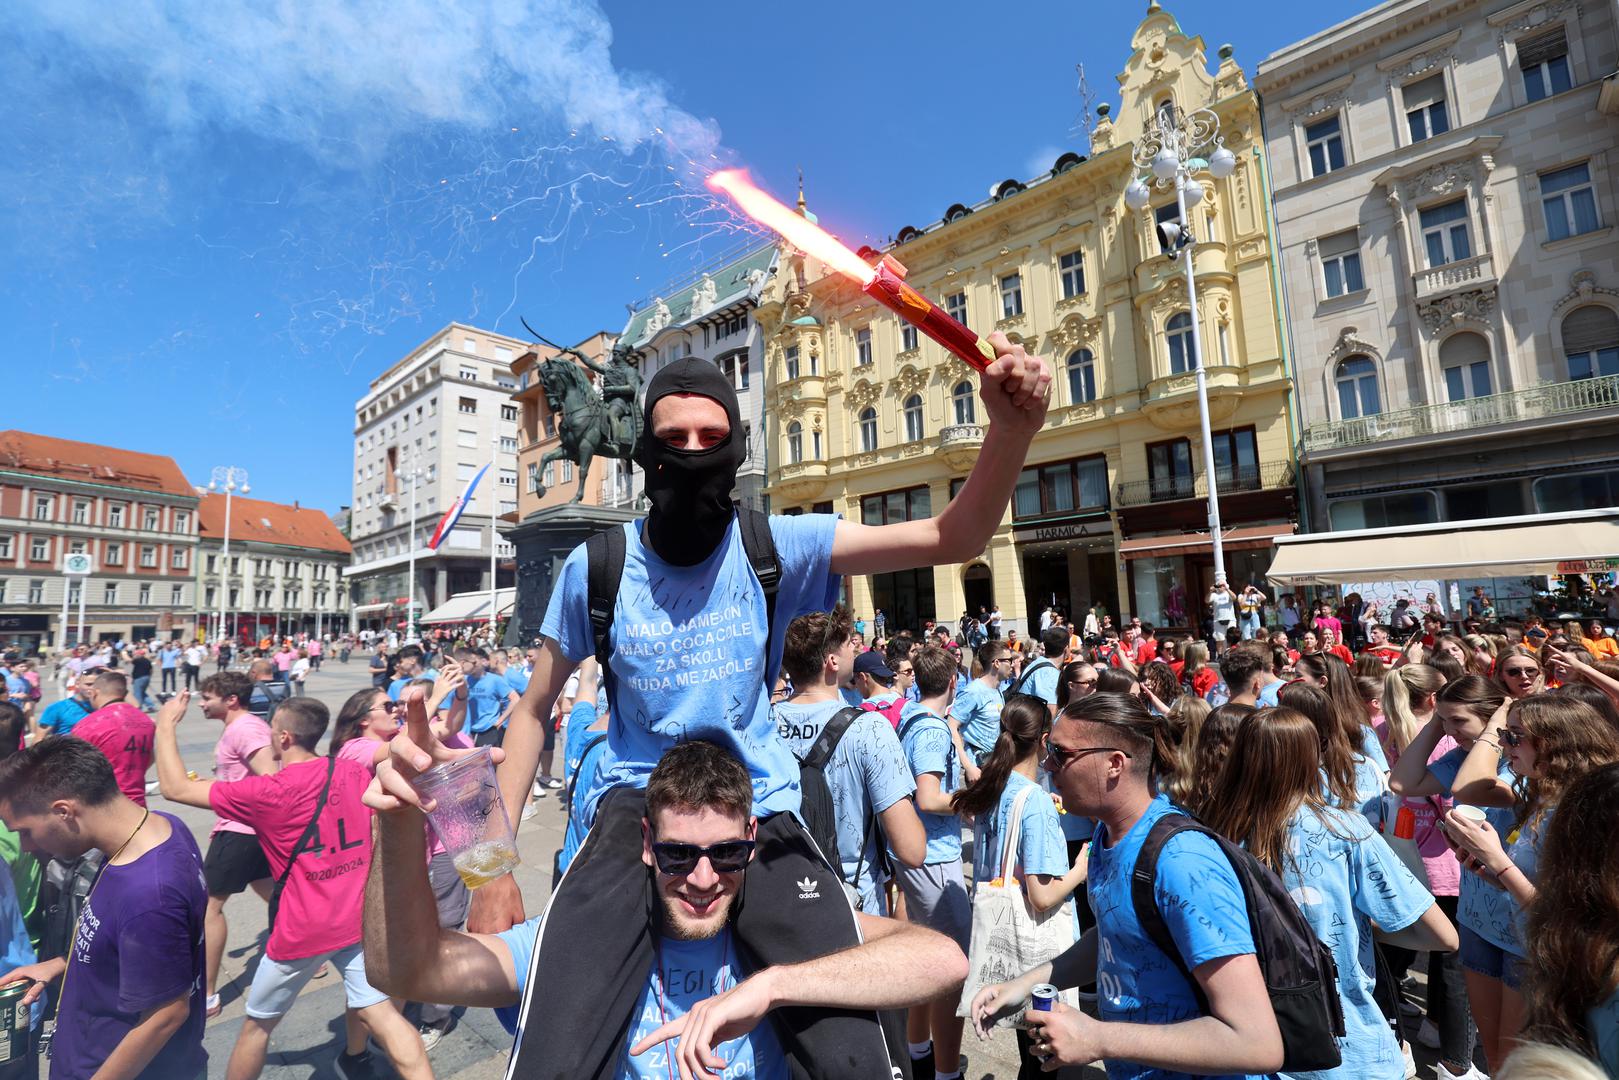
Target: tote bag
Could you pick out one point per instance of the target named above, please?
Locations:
(1009, 936)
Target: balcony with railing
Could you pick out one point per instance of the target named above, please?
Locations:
(959, 444)
(1514, 406)
(1462, 274)
(1231, 480)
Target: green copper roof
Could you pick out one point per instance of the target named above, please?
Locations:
(730, 283)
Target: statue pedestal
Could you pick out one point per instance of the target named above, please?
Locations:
(543, 541)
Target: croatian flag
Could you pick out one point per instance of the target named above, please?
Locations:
(457, 508)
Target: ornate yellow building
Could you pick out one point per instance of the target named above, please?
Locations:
(874, 422)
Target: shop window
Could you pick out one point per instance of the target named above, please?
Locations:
(1383, 511)
(1576, 491)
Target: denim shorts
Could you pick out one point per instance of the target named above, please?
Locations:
(1484, 958)
(276, 982)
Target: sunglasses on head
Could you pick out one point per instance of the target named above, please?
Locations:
(726, 857)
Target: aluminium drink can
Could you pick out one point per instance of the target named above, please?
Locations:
(1041, 997)
(14, 1017)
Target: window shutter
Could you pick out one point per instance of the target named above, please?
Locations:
(1425, 92)
(1338, 244)
(1590, 328)
(1539, 48)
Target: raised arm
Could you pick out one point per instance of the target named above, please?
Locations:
(1410, 775)
(1478, 781)
(171, 770)
(1016, 390)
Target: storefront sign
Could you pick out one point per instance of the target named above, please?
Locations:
(1588, 566)
(23, 624)
(1068, 530)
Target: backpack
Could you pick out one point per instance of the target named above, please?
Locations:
(604, 564)
(63, 889)
(1301, 976)
(1017, 685)
(890, 711)
(819, 813)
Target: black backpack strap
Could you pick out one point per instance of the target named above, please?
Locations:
(309, 830)
(760, 546)
(1143, 880)
(604, 571)
(821, 752)
(1017, 687)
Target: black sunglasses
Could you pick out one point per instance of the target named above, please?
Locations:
(1513, 738)
(1062, 755)
(726, 857)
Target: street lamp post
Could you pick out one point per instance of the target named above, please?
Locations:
(227, 478)
(1172, 149)
(413, 474)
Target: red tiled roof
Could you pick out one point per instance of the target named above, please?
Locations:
(65, 459)
(269, 523)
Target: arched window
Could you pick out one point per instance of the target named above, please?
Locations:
(1357, 388)
(1081, 377)
(1166, 112)
(795, 443)
(1465, 361)
(962, 396)
(868, 429)
(1182, 350)
(913, 418)
(1591, 342)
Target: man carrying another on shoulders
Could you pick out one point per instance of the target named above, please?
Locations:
(693, 641)
(699, 1007)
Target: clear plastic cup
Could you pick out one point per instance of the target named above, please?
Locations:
(470, 817)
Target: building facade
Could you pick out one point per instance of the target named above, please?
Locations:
(710, 317)
(421, 432)
(1445, 195)
(554, 482)
(873, 421)
(284, 574)
(135, 517)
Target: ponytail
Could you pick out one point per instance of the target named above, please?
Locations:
(1023, 724)
(1398, 688)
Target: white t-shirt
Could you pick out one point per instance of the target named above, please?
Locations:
(1221, 602)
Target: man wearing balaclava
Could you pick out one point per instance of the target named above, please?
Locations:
(691, 658)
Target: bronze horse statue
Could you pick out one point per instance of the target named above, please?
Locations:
(585, 425)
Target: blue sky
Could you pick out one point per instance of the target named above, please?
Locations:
(226, 218)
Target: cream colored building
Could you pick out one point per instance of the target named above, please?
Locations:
(871, 421)
(1444, 183)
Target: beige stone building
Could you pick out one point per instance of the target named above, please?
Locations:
(1444, 190)
(870, 420)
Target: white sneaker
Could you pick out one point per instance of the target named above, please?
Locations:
(1410, 1062)
(1428, 1035)
(1472, 1073)
(539, 791)
(528, 812)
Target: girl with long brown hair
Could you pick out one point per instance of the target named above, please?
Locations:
(1348, 884)
(1178, 731)
(1211, 749)
(1334, 677)
(1518, 670)
(1334, 757)
(1573, 931)
(1491, 957)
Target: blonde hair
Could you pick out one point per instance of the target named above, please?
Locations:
(1181, 728)
(1399, 687)
(1542, 1061)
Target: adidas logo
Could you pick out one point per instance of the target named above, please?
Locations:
(807, 890)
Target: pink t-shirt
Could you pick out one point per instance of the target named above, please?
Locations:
(284, 659)
(124, 734)
(362, 751)
(1444, 872)
(313, 647)
(321, 904)
(244, 736)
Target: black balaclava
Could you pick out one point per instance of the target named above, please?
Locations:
(690, 490)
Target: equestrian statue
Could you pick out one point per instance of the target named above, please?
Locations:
(591, 425)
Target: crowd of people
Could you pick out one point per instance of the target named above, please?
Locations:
(794, 851)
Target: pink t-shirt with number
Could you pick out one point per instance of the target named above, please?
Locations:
(244, 736)
(124, 734)
(321, 904)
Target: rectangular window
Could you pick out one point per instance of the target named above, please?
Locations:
(5, 546)
(1169, 469)
(464, 472)
(177, 594)
(1569, 201)
(1325, 141)
(508, 445)
(1445, 234)
(145, 595)
(148, 554)
(503, 354)
(508, 412)
(791, 355)
(505, 382)
(81, 512)
(177, 559)
(508, 478)
(77, 547)
(182, 521)
(1236, 459)
(115, 553)
(1011, 295)
(115, 515)
(1463, 381)
(955, 305)
(862, 346)
(36, 592)
(910, 504)
(1340, 263)
(567, 471)
(1543, 59)
(1425, 113)
(149, 519)
(42, 507)
(109, 593)
(39, 549)
(470, 345)
(1062, 487)
(463, 437)
(212, 595)
(907, 337)
(550, 474)
(467, 405)
(1071, 268)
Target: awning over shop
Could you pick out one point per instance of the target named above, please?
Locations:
(471, 607)
(371, 609)
(1585, 541)
(1241, 538)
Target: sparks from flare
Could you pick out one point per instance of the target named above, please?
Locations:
(802, 233)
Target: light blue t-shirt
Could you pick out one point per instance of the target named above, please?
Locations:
(398, 686)
(1041, 848)
(930, 749)
(579, 762)
(1202, 903)
(1523, 846)
(517, 678)
(1372, 747)
(685, 973)
(1487, 910)
(1040, 681)
(169, 657)
(486, 700)
(866, 774)
(61, 716)
(978, 709)
(690, 652)
(1344, 877)
(1603, 1022)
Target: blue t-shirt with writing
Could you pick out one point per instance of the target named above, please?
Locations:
(1344, 877)
(487, 696)
(582, 751)
(689, 651)
(978, 709)
(866, 774)
(930, 749)
(1041, 848)
(685, 973)
(1484, 908)
(399, 684)
(1202, 903)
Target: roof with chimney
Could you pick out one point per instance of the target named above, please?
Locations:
(270, 523)
(90, 463)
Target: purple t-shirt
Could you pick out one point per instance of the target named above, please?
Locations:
(138, 945)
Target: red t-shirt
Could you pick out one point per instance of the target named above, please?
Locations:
(1146, 651)
(1386, 653)
(321, 904)
(124, 734)
(1342, 653)
(1203, 680)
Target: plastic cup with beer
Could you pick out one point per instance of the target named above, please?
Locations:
(470, 817)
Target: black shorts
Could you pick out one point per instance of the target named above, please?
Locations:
(234, 862)
(490, 737)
